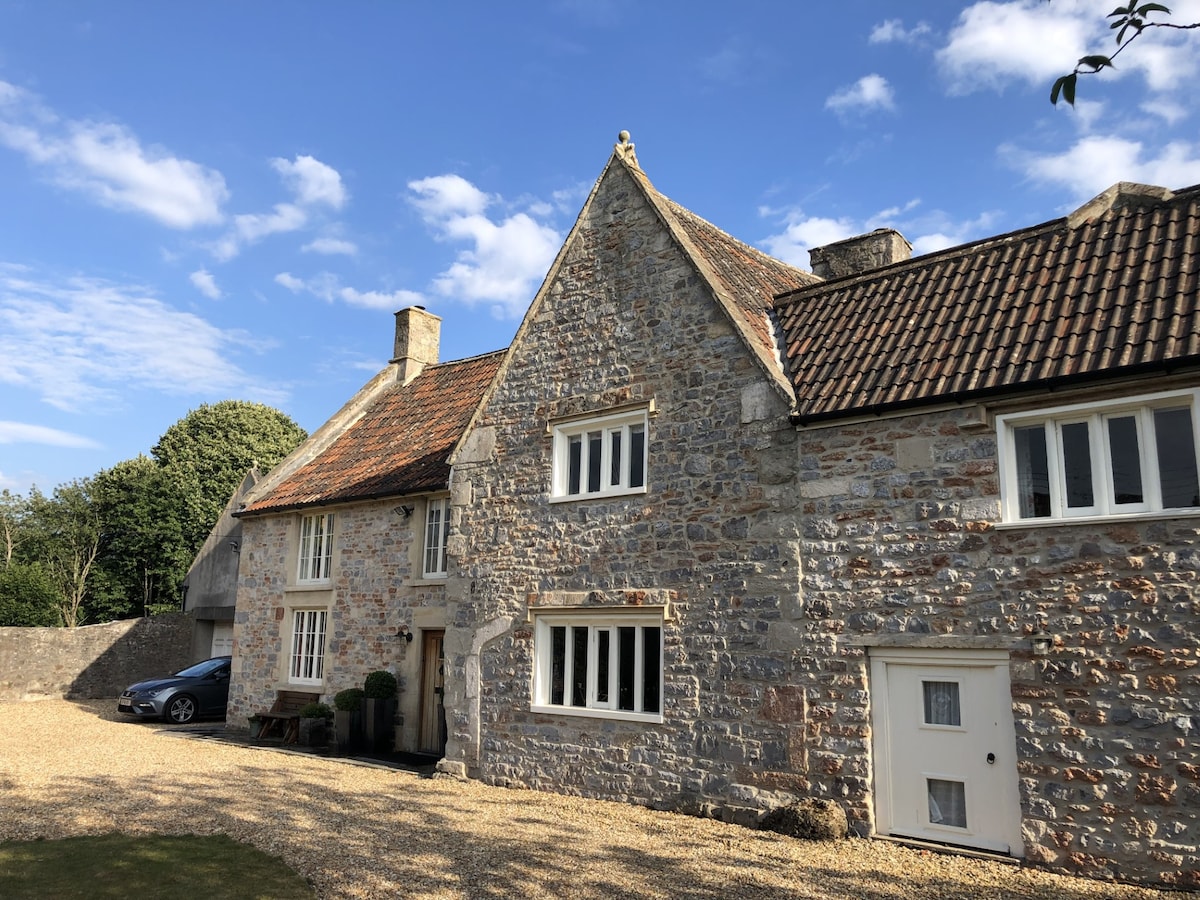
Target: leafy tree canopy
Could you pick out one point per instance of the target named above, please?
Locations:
(27, 596)
(1129, 23)
(208, 452)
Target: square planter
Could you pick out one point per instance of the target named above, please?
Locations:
(380, 721)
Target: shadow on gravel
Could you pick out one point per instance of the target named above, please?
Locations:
(404, 836)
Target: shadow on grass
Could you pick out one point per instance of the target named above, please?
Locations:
(166, 868)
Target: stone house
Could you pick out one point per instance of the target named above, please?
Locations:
(919, 535)
(344, 543)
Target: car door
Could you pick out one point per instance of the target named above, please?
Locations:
(213, 695)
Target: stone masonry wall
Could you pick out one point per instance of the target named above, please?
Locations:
(92, 661)
(899, 533)
(372, 594)
(628, 320)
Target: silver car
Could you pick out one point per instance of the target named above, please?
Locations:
(199, 690)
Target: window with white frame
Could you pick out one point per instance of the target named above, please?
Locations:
(1120, 457)
(316, 547)
(306, 665)
(597, 665)
(602, 456)
(437, 529)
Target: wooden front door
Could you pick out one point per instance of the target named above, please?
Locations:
(433, 710)
(945, 748)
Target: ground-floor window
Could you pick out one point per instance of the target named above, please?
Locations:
(307, 662)
(610, 665)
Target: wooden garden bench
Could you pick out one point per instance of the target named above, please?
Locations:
(285, 714)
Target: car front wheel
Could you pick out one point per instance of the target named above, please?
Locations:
(181, 709)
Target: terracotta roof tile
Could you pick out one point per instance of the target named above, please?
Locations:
(400, 445)
(1043, 305)
(749, 276)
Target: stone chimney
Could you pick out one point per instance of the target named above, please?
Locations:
(417, 336)
(881, 247)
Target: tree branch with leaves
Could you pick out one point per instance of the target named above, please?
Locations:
(1129, 22)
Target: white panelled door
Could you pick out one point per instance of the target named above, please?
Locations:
(945, 748)
(222, 639)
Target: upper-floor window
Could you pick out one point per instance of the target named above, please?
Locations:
(437, 529)
(601, 664)
(1115, 458)
(602, 456)
(316, 547)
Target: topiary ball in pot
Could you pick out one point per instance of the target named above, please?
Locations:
(349, 700)
(316, 711)
(380, 685)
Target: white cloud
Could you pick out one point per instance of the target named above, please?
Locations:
(893, 31)
(207, 285)
(250, 228)
(24, 433)
(331, 247)
(1027, 40)
(1032, 41)
(1167, 110)
(81, 342)
(868, 93)
(446, 196)
(290, 281)
(327, 287)
(1094, 163)
(107, 162)
(312, 181)
(803, 233)
(508, 256)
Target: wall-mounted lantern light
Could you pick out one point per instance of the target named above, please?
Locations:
(1041, 642)
(405, 510)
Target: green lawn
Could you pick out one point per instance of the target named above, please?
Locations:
(153, 866)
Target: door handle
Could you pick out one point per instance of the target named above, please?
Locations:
(991, 759)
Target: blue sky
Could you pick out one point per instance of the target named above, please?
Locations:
(228, 200)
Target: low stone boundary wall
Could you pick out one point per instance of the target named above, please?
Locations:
(92, 661)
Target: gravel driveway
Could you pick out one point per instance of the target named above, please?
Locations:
(356, 831)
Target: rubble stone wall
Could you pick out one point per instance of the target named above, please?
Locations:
(901, 540)
(92, 661)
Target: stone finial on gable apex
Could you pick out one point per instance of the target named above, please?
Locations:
(624, 149)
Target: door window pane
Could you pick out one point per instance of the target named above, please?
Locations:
(1077, 465)
(942, 705)
(1176, 458)
(1033, 471)
(1126, 460)
(947, 803)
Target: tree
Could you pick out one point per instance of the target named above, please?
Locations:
(1130, 22)
(27, 596)
(208, 452)
(65, 538)
(144, 555)
(13, 510)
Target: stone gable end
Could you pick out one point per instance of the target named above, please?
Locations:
(627, 319)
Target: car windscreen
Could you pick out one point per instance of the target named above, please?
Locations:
(199, 670)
